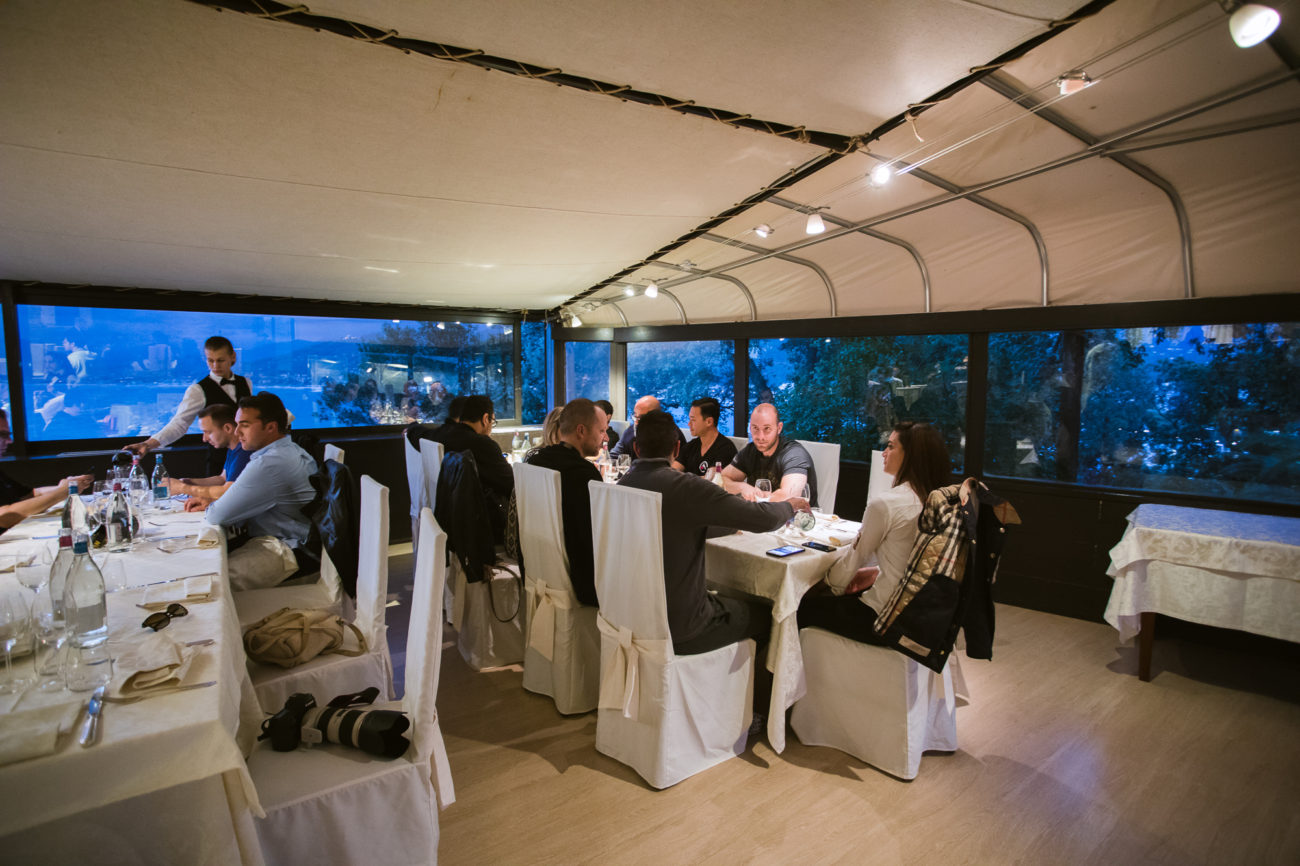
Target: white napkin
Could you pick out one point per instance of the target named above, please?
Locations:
(208, 537)
(191, 590)
(157, 661)
(35, 732)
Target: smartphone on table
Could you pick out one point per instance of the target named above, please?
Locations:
(782, 552)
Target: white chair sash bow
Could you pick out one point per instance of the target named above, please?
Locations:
(543, 601)
(620, 687)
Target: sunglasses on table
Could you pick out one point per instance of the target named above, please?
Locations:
(160, 620)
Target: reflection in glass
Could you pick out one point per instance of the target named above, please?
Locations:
(533, 347)
(679, 373)
(1205, 409)
(853, 390)
(91, 372)
(586, 371)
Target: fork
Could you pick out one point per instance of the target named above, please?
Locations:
(134, 699)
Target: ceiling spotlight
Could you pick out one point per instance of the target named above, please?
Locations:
(1073, 81)
(652, 290)
(881, 174)
(628, 291)
(575, 322)
(815, 225)
(442, 326)
(1252, 23)
(763, 230)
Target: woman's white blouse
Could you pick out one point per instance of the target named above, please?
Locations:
(888, 532)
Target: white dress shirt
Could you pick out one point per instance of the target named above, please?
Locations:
(888, 531)
(188, 410)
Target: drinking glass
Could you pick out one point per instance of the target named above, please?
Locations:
(624, 464)
(763, 488)
(49, 640)
(34, 577)
(15, 628)
(113, 570)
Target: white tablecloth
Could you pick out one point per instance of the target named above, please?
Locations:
(161, 763)
(740, 562)
(1220, 568)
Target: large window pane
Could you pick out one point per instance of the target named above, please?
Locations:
(1211, 410)
(533, 348)
(678, 373)
(586, 371)
(91, 372)
(854, 390)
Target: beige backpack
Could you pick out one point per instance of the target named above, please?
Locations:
(289, 637)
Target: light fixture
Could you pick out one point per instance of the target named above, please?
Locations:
(629, 292)
(815, 225)
(1252, 23)
(442, 326)
(575, 322)
(652, 290)
(881, 174)
(1073, 81)
(763, 230)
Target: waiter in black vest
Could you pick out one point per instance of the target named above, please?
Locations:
(221, 385)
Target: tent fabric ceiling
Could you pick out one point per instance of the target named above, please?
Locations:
(164, 144)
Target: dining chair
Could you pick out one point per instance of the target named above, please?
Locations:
(879, 481)
(666, 716)
(739, 441)
(334, 452)
(874, 703)
(338, 674)
(415, 484)
(826, 463)
(561, 641)
(336, 804)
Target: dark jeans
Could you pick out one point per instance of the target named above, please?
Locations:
(738, 618)
(845, 615)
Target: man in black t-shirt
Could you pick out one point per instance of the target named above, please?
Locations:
(582, 429)
(779, 459)
(709, 447)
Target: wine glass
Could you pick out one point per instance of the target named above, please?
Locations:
(624, 463)
(49, 639)
(762, 490)
(15, 628)
(34, 577)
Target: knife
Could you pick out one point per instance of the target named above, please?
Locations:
(94, 707)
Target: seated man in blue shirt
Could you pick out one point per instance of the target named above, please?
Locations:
(266, 500)
(218, 425)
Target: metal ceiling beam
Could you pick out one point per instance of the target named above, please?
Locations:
(889, 239)
(735, 281)
(1102, 148)
(1003, 86)
(681, 311)
(794, 260)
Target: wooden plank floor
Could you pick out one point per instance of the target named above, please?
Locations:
(1065, 757)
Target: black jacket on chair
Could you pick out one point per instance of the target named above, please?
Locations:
(335, 523)
(462, 512)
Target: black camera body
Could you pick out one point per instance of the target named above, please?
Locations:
(284, 729)
(377, 732)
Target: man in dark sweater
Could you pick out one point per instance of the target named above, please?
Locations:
(470, 433)
(699, 621)
(418, 431)
(582, 429)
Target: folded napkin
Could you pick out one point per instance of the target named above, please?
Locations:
(208, 538)
(191, 590)
(35, 732)
(155, 662)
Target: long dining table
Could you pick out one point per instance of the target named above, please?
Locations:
(167, 781)
(740, 562)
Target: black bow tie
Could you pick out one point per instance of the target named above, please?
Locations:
(225, 382)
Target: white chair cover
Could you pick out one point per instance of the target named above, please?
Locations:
(430, 462)
(739, 441)
(415, 486)
(333, 804)
(666, 716)
(619, 426)
(876, 704)
(329, 675)
(826, 463)
(334, 452)
(562, 644)
(324, 593)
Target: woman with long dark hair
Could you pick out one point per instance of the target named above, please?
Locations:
(918, 459)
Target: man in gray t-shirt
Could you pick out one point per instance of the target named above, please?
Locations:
(779, 459)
